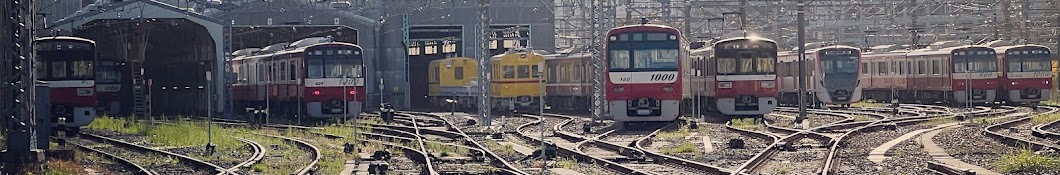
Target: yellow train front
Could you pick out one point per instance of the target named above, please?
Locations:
(452, 80)
(517, 81)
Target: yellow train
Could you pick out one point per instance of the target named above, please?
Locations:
(515, 84)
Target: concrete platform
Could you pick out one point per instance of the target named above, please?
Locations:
(939, 154)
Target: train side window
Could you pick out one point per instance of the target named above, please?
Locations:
(509, 72)
(283, 71)
(563, 72)
(534, 71)
(881, 68)
(921, 67)
(458, 73)
(936, 68)
(292, 71)
(864, 68)
(551, 73)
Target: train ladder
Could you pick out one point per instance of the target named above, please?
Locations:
(141, 102)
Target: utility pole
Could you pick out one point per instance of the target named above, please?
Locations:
(484, 33)
(802, 58)
(21, 138)
(598, 23)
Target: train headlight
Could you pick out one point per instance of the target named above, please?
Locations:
(1046, 82)
(668, 89)
(725, 85)
(1014, 83)
(769, 84)
(619, 90)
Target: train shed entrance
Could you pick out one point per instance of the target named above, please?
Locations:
(161, 56)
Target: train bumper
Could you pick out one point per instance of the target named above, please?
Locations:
(978, 96)
(660, 110)
(319, 110)
(75, 116)
(1029, 95)
(746, 105)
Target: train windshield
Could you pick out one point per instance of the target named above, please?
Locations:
(839, 65)
(333, 64)
(109, 73)
(746, 63)
(643, 52)
(974, 61)
(64, 70)
(1027, 60)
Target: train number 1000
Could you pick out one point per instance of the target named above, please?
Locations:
(663, 77)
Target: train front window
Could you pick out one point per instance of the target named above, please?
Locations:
(978, 62)
(655, 58)
(108, 73)
(619, 59)
(746, 63)
(1028, 61)
(839, 65)
(334, 67)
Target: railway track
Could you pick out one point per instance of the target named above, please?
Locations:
(126, 165)
(803, 147)
(566, 145)
(156, 161)
(1049, 130)
(708, 144)
(490, 161)
(1019, 132)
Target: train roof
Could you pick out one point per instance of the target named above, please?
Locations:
(65, 38)
(264, 53)
(942, 51)
(754, 38)
(246, 51)
(821, 48)
(1002, 49)
(516, 51)
(452, 58)
(643, 25)
(565, 56)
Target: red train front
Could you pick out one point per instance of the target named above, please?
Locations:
(66, 65)
(975, 73)
(313, 76)
(742, 79)
(1027, 75)
(643, 73)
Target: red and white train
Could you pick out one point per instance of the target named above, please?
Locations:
(951, 75)
(740, 76)
(832, 75)
(644, 81)
(66, 65)
(319, 77)
(1026, 73)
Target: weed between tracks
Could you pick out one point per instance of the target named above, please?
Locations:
(748, 123)
(179, 134)
(566, 163)
(445, 150)
(683, 148)
(1043, 119)
(859, 118)
(867, 103)
(939, 121)
(1027, 161)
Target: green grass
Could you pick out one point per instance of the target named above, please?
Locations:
(678, 134)
(499, 148)
(179, 134)
(445, 150)
(867, 103)
(1026, 161)
(566, 163)
(683, 148)
(1043, 119)
(859, 118)
(939, 121)
(748, 123)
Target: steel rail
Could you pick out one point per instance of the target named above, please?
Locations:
(188, 160)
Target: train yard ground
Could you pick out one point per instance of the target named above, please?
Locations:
(865, 139)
